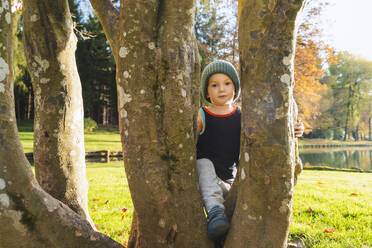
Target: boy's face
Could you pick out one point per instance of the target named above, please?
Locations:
(221, 90)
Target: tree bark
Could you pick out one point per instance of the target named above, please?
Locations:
(157, 70)
(266, 178)
(59, 153)
(29, 216)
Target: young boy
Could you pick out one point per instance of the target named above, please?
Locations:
(218, 143)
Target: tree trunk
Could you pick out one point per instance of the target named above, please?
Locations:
(266, 177)
(59, 153)
(157, 71)
(29, 216)
(157, 66)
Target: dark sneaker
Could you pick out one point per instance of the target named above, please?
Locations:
(218, 224)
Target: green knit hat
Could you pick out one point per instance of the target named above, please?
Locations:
(219, 66)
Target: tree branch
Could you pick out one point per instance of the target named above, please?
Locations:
(108, 15)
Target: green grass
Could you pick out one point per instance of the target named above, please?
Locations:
(108, 195)
(324, 199)
(100, 139)
(327, 193)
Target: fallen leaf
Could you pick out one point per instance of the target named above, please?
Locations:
(123, 210)
(320, 182)
(121, 233)
(96, 200)
(97, 227)
(125, 243)
(354, 194)
(329, 230)
(309, 210)
(107, 202)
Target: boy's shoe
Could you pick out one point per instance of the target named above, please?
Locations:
(218, 224)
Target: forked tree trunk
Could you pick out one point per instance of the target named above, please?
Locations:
(29, 217)
(59, 154)
(157, 70)
(267, 31)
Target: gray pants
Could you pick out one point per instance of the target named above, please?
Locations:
(212, 189)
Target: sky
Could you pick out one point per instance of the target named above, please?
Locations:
(347, 26)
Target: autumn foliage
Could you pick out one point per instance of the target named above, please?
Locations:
(311, 56)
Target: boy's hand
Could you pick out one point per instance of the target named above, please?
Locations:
(299, 128)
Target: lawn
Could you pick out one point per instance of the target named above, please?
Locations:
(330, 209)
(100, 139)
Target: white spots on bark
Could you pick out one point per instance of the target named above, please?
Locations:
(180, 146)
(50, 203)
(152, 45)
(34, 18)
(4, 69)
(61, 111)
(2, 88)
(287, 60)
(123, 97)
(191, 158)
(78, 234)
(245, 206)
(126, 98)
(162, 223)
(126, 133)
(92, 237)
(183, 92)
(44, 80)
(288, 185)
(142, 92)
(62, 67)
(180, 110)
(123, 113)
(123, 52)
(246, 156)
(162, 87)
(285, 78)
(4, 200)
(16, 216)
(285, 206)
(251, 217)
(72, 153)
(124, 34)
(2, 184)
(7, 17)
(242, 176)
(126, 74)
(187, 136)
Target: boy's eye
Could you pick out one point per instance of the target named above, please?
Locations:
(214, 85)
(227, 83)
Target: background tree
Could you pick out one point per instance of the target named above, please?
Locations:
(312, 53)
(350, 82)
(97, 71)
(29, 216)
(59, 153)
(216, 31)
(22, 81)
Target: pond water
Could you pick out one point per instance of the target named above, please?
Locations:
(343, 158)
